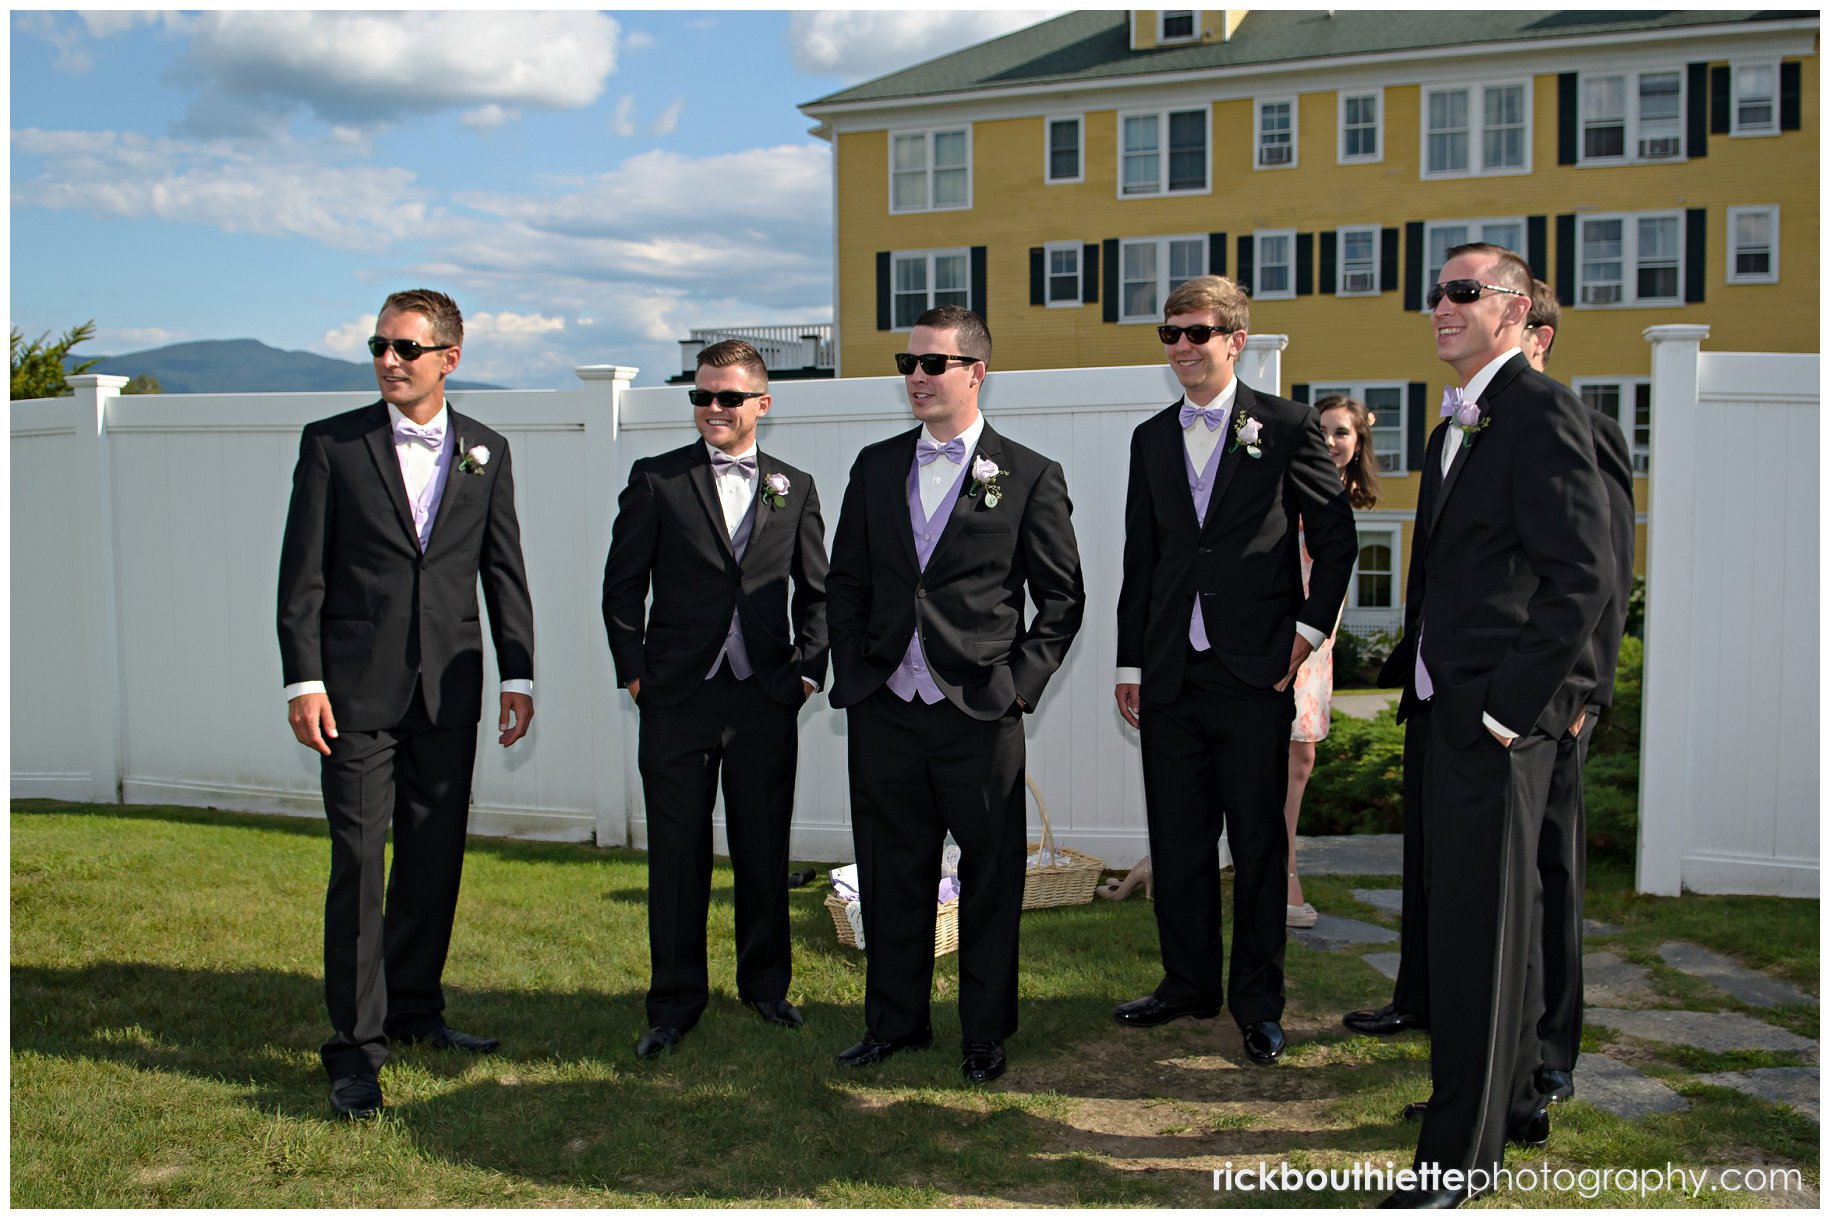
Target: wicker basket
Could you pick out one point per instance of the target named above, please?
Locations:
(1057, 886)
(946, 924)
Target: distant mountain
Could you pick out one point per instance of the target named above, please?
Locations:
(219, 366)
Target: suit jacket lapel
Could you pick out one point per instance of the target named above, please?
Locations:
(458, 431)
(387, 465)
(706, 489)
(1230, 457)
(1507, 373)
(1168, 463)
(762, 511)
(990, 445)
(892, 490)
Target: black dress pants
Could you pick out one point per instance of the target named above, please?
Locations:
(1411, 989)
(1562, 872)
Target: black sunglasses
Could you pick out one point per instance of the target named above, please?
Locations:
(932, 363)
(729, 399)
(1462, 292)
(406, 349)
(1197, 334)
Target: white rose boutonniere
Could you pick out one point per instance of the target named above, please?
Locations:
(476, 456)
(1245, 432)
(775, 489)
(985, 475)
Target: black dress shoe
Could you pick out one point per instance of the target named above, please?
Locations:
(873, 1050)
(356, 1096)
(1384, 1022)
(1557, 1086)
(1425, 1200)
(1533, 1132)
(444, 1037)
(778, 1011)
(1264, 1042)
(1414, 1111)
(984, 1061)
(658, 1040)
(1151, 1011)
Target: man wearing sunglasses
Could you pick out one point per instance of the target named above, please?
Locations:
(398, 511)
(729, 539)
(943, 529)
(1213, 622)
(1510, 567)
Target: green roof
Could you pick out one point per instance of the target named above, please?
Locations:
(1096, 45)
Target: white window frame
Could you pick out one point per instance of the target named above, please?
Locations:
(1258, 133)
(1735, 126)
(1631, 119)
(1049, 251)
(1080, 148)
(1340, 260)
(1770, 276)
(1259, 238)
(1476, 232)
(1342, 156)
(1161, 116)
(1163, 286)
(1361, 391)
(929, 134)
(1630, 261)
(1164, 39)
(1640, 455)
(1364, 525)
(1476, 131)
(930, 256)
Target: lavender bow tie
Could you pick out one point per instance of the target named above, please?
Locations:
(744, 466)
(927, 450)
(406, 432)
(1452, 400)
(1211, 415)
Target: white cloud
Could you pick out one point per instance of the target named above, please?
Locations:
(254, 69)
(856, 44)
(486, 119)
(670, 118)
(121, 339)
(510, 327)
(339, 343)
(623, 121)
(638, 40)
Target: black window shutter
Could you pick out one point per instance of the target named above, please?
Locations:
(978, 280)
(1568, 124)
(1719, 101)
(1216, 253)
(1789, 85)
(1110, 313)
(1327, 284)
(1413, 264)
(1299, 392)
(1244, 277)
(1566, 259)
(1534, 245)
(1696, 221)
(1388, 260)
(883, 290)
(1038, 276)
(1696, 143)
(1305, 264)
(1089, 274)
(1416, 424)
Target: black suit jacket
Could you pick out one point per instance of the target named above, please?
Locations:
(1244, 562)
(968, 604)
(362, 610)
(1510, 564)
(669, 533)
(1614, 460)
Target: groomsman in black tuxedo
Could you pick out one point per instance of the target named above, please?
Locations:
(398, 510)
(1212, 626)
(1510, 570)
(730, 540)
(943, 529)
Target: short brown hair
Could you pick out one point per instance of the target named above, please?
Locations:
(1513, 272)
(735, 353)
(1545, 311)
(1214, 294)
(436, 307)
(970, 333)
(1362, 473)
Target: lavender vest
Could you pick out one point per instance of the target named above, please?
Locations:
(912, 677)
(733, 649)
(1201, 486)
(425, 504)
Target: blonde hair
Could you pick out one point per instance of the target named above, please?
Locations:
(1214, 294)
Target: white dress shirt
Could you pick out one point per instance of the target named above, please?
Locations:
(937, 477)
(734, 490)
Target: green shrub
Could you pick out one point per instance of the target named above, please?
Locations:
(1358, 780)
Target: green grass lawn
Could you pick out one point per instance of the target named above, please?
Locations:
(167, 1008)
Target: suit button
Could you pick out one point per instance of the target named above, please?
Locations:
(1205, 550)
(921, 593)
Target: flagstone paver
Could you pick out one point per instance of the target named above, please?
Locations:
(1333, 931)
(1385, 962)
(1391, 901)
(1725, 973)
(1351, 855)
(1798, 1087)
(1617, 1088)
(1716, 1032)
(1608, 981)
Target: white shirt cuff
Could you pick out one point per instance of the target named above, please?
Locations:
(1314, 636)
(1494, 725)
(519, 685)
(304, 687)
(1130, 677)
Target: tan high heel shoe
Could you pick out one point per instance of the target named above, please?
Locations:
(1119, 890)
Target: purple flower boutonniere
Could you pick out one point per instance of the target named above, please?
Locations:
(1246, 431)
(985, 475)
(1469, 419)
(475, 457)
(775, 489)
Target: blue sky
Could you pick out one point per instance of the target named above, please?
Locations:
(588, 185)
